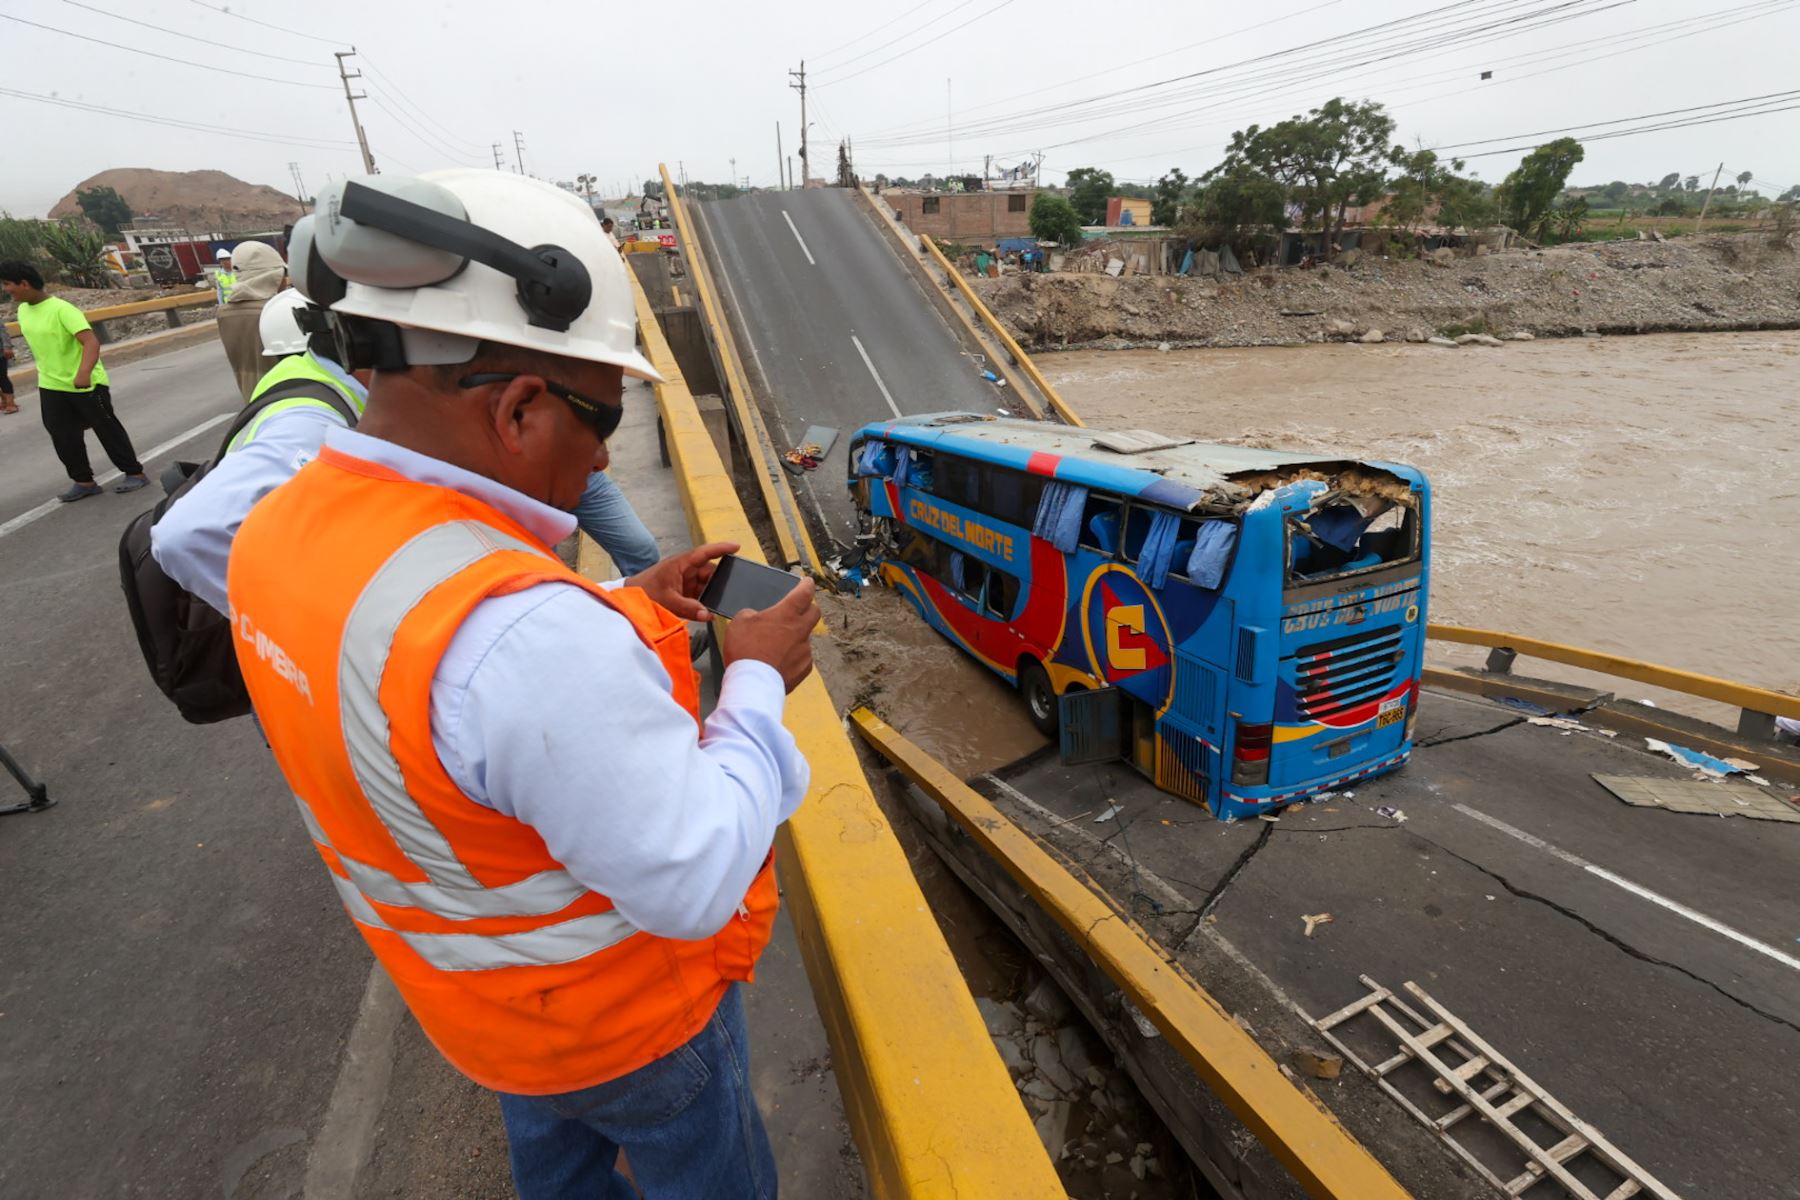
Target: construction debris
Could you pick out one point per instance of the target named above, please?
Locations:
(1314, 920)
(1715, 798)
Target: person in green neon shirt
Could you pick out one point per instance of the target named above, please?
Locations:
(73, 392)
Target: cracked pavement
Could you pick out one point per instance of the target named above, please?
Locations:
(1666, 1034)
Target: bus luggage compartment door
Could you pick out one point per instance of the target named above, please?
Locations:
(1096, 726)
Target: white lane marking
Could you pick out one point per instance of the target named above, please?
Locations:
(1636, 889)
(49, 506)
(797, 237)
(885, 394)
(346, 1138)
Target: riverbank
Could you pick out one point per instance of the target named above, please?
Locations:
(1628, 494)
(1709, 283)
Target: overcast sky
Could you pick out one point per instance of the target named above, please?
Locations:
(611, 89)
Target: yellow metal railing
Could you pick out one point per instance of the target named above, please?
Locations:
(1758, 706)
(931, 1105)
(790, 526)
(1302, 1134)
(137, 308)
(1006, 339)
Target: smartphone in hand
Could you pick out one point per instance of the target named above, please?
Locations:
(738, 584)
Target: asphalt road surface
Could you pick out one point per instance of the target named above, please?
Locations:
(180, 991)
(834, 326)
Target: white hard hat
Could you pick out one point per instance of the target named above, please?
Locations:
(222, 253)
(454, 258)
(281, 333)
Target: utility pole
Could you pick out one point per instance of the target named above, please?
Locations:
(499, 158)
(1707, 203)
(790, 180)
(780, 179)
(299, 185)
(800, 86)
(362, 139)
(519, 150)
(734, 177)
(949, 141)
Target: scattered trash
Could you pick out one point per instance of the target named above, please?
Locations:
(805, 456)
(1706, 795)
(990, 377)
(822, 436)
(1523, 705)
(1323, 796)
(1314, 920)
(1758, 780)
(1112, 810)
(1648, 703)
(1706, 764)
(1564, 724)
(1271, 818)
(1489, 897)
(1390, 812)
(1349, 795)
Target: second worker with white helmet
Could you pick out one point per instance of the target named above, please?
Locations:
(563, 864)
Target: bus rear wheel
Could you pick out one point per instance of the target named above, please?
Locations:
(1040, 697)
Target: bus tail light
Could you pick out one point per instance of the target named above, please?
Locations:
(1250, 758)
(1412, 709)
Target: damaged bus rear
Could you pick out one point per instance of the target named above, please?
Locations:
(1245, 627)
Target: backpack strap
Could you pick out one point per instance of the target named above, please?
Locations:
(310, 389)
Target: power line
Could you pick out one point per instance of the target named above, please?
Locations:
(402, 98)
(226, 12)
(1657, 128)
(1622, 120)
(909, 12)
(894, 41)
(909, 50)
(192, 37)
(434, 145)
(302, 141)
(164, 57)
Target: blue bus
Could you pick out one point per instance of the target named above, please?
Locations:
(1245, 627)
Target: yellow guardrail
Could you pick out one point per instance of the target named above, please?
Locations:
(1006, 339)
(1302, 1134)
(137, 308)
(769, 479)
(931, 1105)
(1752, 700)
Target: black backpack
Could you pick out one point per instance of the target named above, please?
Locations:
(186, 642)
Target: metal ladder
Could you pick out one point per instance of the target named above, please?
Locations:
(1490, 1087)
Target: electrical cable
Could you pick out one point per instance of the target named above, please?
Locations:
(301, 141)
(1667, 125)
(911, 49)
(411, 106)
(226, 12)
(193, 37)
(894, 41)
(434, 145)
(1622, 120)
(871, 33)
(164, 57)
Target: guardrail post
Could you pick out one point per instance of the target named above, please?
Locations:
(1758, 726)
(173, 317)
(101, 333)
(1500, 660)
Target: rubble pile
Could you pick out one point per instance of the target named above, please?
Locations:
(1727, 282)
(1086, 1108)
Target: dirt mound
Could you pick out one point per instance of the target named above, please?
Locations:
(1690, 284)
(200, 200)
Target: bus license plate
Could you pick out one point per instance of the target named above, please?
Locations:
(1391, 712)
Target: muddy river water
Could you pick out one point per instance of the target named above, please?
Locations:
(1639, 495)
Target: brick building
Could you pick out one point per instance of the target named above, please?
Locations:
(967, 217)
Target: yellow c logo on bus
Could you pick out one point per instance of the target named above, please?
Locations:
(1121, 619)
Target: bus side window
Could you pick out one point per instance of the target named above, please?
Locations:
(1011, 496)
(958, 481)
(1002, 595)
(1137, 528)
(1100, 523)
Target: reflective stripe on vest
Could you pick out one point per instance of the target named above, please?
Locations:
(294, 366)
(452, 892)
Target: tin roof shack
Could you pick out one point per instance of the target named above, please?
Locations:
(972, 218)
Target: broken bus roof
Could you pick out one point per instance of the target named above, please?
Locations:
(1178, 472)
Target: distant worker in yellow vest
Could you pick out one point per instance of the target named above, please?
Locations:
(565, 868)
(258, 274)
(224, 277)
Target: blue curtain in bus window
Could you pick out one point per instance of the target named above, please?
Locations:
(956, 569)
(1059, 515)
(1338, 526)
(903, 459)
(1159, 549)
(875, 458)
(1212, 553)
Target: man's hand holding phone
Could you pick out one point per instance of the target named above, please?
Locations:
(780, 635)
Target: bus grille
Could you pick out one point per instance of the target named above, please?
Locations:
(1339, 674)
(1184, 764)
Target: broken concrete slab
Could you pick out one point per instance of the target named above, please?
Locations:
(1716, 798)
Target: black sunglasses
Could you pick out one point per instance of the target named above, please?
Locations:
(603, 419)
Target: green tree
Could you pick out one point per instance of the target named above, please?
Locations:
(1569, 217)
(652, 189)
(1333, 157)
(1671, 206)
(1527, 195)
(1668, 181)
(105, 208)
(75, 249)
(1744, 178)
(1467, 204)
(20, 240)
(1236, 208)
(1054, 219)
(1089, 189)
(1691, 183)
(1421, 188)
(1616, 191)
(1171, 193)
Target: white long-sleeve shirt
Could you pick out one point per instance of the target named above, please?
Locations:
(548, 707)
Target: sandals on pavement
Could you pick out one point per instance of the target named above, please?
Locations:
(80, 491)
(131, 483)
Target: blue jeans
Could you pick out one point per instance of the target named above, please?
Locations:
(687, 1124)
(605, 515)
